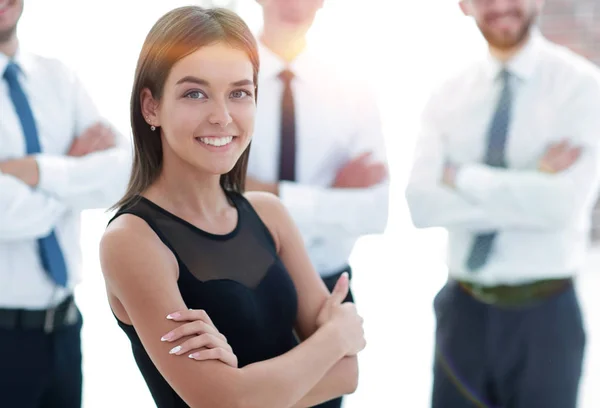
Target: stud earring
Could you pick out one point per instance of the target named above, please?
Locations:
(153, 128)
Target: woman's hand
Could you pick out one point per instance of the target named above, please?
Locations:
(344, 316)
(335, 299)
(208, 343)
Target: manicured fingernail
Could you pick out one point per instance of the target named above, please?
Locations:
(175, 350)
(173, 315)
(166, 337)
(193, 355)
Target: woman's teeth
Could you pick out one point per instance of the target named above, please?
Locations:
(216, 141)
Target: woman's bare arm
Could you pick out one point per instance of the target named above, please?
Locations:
(342, 378)
(142, 273)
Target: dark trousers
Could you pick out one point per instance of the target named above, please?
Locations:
(517, 357)
(330, 282)
(39, 369)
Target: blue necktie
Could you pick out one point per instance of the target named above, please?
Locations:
(482, 246)
(50, 253)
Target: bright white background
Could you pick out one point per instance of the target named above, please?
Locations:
(405, 48)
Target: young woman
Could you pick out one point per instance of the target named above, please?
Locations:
(186, 237)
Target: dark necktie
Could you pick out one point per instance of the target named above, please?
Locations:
(287, 152)
(495, 156)
(50, 253)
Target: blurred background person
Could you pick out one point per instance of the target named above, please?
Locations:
(57, 158)
(508, 163)
(317, 143)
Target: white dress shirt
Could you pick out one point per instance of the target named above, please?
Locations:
(62, 111)
(336, 120)
(543, 220)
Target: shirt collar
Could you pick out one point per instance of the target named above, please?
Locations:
(523, 64)
(271, 64)
(22, 59)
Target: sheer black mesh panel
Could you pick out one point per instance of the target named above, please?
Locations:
(237, 256)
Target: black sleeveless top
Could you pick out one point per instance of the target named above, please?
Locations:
(237, 278)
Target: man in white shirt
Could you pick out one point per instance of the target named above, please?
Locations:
(508, 162)
(56, 159)
(317, 142)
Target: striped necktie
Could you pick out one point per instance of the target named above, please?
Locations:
(495, 156)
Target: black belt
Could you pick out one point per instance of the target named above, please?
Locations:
(65, 314)
(516, 295)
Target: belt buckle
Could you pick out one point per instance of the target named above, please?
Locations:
(49, 320)
(489, 298)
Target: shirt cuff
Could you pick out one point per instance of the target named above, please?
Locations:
(53, 173)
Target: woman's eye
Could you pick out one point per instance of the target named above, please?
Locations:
(241, 93)
(195, 95)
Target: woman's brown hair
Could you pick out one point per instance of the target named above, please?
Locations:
(175, 35)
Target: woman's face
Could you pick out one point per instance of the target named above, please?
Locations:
(206, 113)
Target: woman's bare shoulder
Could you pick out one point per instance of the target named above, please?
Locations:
(266, 204)
(271, 211)
(129, 243)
